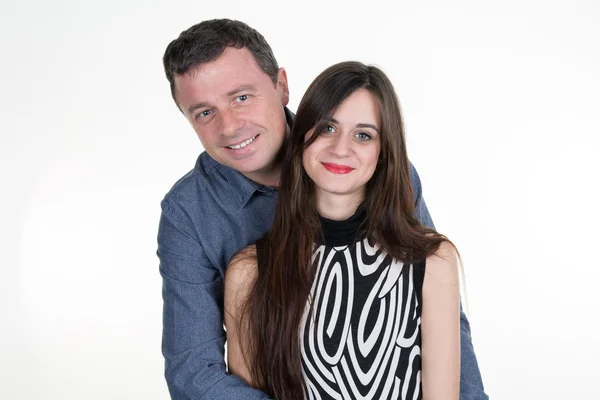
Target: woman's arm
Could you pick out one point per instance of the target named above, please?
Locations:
(440, 326)
(239, 279)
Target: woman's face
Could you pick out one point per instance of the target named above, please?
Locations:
(344, 156)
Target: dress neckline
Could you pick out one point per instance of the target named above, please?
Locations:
(346, 232)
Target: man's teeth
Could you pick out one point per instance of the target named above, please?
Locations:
(243, 144)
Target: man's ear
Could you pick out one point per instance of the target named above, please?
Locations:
(282, 86)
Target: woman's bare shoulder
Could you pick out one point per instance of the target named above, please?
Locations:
(241, 271)
(443, 264)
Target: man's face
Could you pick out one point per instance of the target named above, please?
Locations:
(237, 112)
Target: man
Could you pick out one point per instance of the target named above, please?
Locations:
(226, 82)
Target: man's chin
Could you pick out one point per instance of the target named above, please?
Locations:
(247, 167)
(243, 165)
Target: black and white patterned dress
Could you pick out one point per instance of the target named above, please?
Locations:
(363, 338)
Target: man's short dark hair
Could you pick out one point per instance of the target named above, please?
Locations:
(206, 41)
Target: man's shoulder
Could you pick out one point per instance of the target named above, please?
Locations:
(202, 178)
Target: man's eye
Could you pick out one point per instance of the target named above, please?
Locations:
(203, 114)
(241, 98)
(363, 136)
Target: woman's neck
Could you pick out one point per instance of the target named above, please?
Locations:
(338, 207)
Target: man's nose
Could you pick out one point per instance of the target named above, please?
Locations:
(231, 123)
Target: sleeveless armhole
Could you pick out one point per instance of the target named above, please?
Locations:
(419, 277)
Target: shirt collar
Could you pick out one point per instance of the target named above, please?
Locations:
(242, 187)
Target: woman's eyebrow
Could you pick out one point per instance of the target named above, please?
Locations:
(359, 125)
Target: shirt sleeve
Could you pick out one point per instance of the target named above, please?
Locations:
(421, 211)
(471, 385)
(193, 336)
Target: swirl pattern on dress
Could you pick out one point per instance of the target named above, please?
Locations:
(360, 333)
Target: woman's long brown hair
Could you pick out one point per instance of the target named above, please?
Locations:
(276, 304)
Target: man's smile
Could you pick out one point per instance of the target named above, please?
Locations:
(242, 144)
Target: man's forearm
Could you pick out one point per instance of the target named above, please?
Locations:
(193, 335)
(471, 385)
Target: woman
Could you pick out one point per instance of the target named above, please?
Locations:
(347, 295)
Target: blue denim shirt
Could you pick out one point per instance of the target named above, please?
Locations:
(209, 215)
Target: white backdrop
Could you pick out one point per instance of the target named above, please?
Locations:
(501, 101)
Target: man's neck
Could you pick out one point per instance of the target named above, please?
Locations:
(266, 178)
(272, 176)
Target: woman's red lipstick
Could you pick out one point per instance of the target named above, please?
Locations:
(337, 169)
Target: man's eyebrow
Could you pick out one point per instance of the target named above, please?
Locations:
(243, 88)
(360, 125)
(196, 106)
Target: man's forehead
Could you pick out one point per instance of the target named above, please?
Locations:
(189, 88)
(231, 64)
(221, 77)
